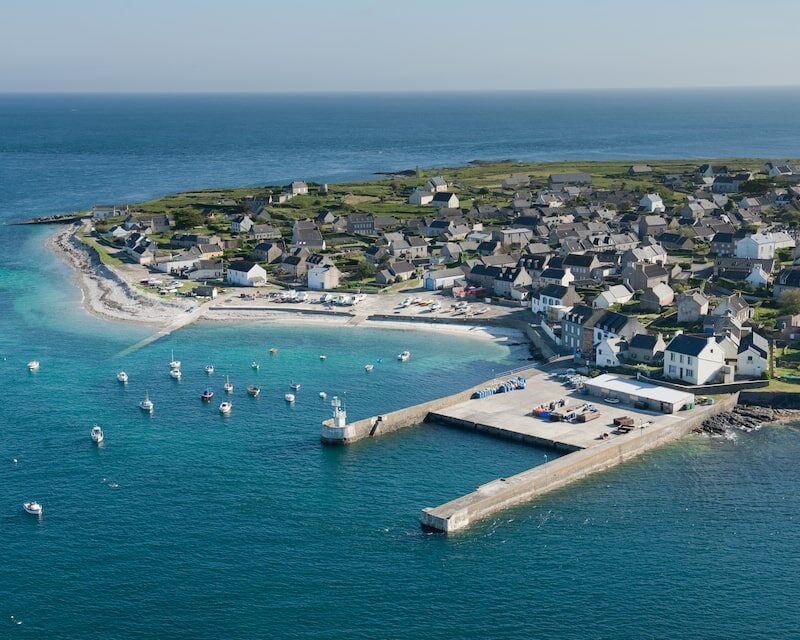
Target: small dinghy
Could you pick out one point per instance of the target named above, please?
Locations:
(255, 366)
(122, 377)
(209, 369)
(323, 395)
(228, 386)
(33, 365)
(97, 434)
(295, 386)
(175, 373)
(253, 390)
(322, 356)
(33, 507)
(273, 351)
(403, 357)
(207, 395)
(369, 367)
(289, 397)
(225, 408)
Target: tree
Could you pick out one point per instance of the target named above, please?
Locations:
(790, 302)
(188, 218)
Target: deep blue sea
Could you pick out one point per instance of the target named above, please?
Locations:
(190, 525)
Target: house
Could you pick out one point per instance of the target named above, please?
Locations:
(564, 179)
(509, 280)
(753, 357)
(730, 183)
(639, 169)
(711, 170)
(641, 275)
(692, 305)
(651, 226)
(264, 232)
(395, 272)
(572, 327)
(508, 237)
(788, 280)
(322, 277)
(241, 224)
(361, 224)
(205, 291)
(652, 203)
(611, 324)
(646, 348)
(756, 245)
(610, 352)
(789, 327)
(614, 294)
(675, 241)
(555, 275)
(436, 184)
(269, 252)
(554, 301)
(661, 295)
(101, 211)
(187, 240)
(445, 199)
(206, 270)
(298, 188)
(294, 264)
(442, 278)
(420, 197)
(516, 181)
(306, 234)
(734, 306)
(652, 253)
(581, 265)
(246, 274)
(693, 359)
(758, 277)
(723, 244)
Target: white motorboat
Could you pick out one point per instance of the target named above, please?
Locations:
(255, 366)
(295, 386)
(323, 395)
(403, 357)
(322, 356)
(146, 404)
(173, 363)
(369, 367)
(175, 373)
(253, 390)
(33, 507)
(209, 369)
(97, 434)
(33, 365)
(225, 408)
(228, 386)
(122, 377)
(289, 397)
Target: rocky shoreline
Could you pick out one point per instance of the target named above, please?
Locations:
(746, 419)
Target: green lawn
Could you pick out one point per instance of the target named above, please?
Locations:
(102, 250)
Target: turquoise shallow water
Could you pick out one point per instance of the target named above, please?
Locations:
(188, 525)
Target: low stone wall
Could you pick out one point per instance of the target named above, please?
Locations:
(776, 400)
(523, 487)
(402, 418)
(708, 389)
(428, 319)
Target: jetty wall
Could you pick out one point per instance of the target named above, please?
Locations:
(506, 492)
(774, 399)
(411, 416)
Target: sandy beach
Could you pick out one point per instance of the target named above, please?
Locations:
(112, 293)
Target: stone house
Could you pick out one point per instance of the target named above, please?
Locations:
(692, 305)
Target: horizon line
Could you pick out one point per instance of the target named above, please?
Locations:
(394, 92)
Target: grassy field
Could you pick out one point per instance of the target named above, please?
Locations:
(102, 251)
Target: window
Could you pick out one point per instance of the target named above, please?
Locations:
(681, 358)
(749, 358)
(689, 373)
(688, 359)
(671, 368)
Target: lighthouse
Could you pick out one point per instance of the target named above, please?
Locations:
(339, 413)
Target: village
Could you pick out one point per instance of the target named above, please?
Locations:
(671, 270)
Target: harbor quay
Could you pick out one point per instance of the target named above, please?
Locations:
(601, 423)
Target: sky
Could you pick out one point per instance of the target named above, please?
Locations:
(396, 45)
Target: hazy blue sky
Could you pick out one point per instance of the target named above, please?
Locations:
(354, 45)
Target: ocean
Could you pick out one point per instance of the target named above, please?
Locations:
(190, 525)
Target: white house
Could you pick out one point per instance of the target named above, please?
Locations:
(420, 197)
(445, 200)
(246, 274)
(615, 294)
(436, 184)
(442, 278)
(693, 359)
(323, 277)
(756, 245)
(653, 203)
(757, 276)
(608, 352)
(298, 188)
(753, 357)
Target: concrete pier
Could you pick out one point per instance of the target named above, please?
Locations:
(506, 492)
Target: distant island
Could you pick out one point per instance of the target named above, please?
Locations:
(668, 246)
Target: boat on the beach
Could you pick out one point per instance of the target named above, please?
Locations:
(369, 367)
(225, 408)
(209, 369)
(228, 386)
(295, 386)
(175, 373)
(97, 434)
(289, 397)
(33, 507)
(122, 377)
(253, 390)
(173, 363)
(33, 365)
(207, 395)
(255, 366)
(146, 404)
(403, 357)
(323, 395)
